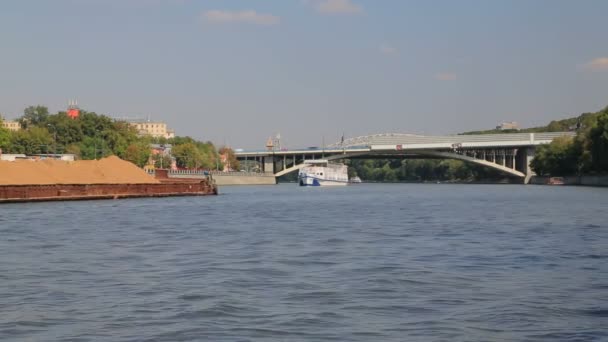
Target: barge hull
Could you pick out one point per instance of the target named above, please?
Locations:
(74, 192)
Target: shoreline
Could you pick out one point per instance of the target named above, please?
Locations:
(585, 180)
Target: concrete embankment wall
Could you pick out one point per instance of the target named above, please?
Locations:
(573, 180)
(244, 180)
(233, 178)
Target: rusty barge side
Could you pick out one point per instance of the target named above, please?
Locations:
(72, 192)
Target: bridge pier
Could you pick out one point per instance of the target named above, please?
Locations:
(524, 157)
(268, 164)
(529, 157)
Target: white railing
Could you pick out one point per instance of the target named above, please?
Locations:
(242, 173)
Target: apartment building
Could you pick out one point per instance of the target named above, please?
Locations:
(11, 125)
(156, 129)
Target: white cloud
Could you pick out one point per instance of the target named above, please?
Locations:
(249, 17)
(388, 50)
(335, 6)
(598, 64)
(446, 76)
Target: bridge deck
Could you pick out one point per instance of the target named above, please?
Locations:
(416, 142)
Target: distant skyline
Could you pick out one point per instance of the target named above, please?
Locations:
(239, 71)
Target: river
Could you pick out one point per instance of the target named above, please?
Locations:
(370, 262)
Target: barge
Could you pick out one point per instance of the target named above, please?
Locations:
(110, 179)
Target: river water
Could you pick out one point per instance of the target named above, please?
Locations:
(407, 262)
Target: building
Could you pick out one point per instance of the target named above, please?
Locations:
(155, 129)
(162, 149)
(11, 125)
(508, 125)
(73, 110)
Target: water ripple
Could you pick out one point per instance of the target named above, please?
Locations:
(362, 263)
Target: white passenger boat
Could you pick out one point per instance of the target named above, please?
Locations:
(322, 173)
(355, 180)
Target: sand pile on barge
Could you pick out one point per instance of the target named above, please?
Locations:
(111, 170)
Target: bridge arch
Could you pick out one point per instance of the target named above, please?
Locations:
(465, 158)
(490, 150)
(328, 158)
(425, 153)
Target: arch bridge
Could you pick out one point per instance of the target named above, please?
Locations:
(510, 153)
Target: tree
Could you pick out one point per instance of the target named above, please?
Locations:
(559, 158)
(598, 141)
(138, 154)
(162, 161)
(34, 116)
(5, 136)
(120, 137)
(94, 148)
(94, 125)
(230, 158)
(75, 150)
(188, 155)
(35, 140)
(66, 130)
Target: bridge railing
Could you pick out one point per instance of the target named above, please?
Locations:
(366, 142)
(181, 172)
(489, 138)
(216, 173)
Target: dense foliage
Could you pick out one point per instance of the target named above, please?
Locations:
(582, 121)
(93, 136)
(586, 153)
(419, 170)
(5, 135)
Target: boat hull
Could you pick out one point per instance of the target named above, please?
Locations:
(322, 173)
(312, 181)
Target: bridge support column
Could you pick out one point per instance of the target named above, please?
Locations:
(269, 164)
(527, 157)
(513, 159)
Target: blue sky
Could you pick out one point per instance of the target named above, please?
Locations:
(238, 71)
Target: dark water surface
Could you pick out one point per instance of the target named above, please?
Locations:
(284, 263)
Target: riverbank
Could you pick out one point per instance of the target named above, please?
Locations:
(571, 180)
(243, 178)
(222, 178)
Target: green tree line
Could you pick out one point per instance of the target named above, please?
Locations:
(419, 170)
(564, 125)
(586, 153)
(93, 136)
